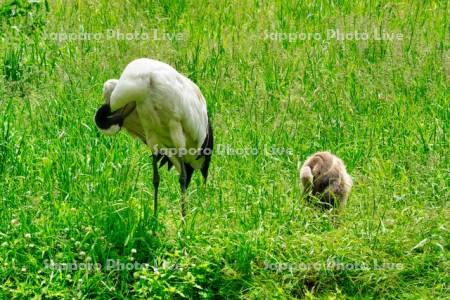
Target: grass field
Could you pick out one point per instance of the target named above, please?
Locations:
(367, 80)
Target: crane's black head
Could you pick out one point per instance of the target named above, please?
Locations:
(109, 123)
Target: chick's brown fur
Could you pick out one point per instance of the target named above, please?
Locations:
(324, 176)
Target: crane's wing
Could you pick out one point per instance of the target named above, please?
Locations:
(165, 96)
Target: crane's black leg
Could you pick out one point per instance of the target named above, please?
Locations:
(183, 184)
(155, 184)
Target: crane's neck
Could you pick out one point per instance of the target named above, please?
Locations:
(127, 91)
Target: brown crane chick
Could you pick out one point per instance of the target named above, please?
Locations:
(323, 175)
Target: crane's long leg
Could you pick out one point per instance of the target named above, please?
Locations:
(155, 184)
(183, 184)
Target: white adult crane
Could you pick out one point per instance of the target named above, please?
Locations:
(167, 111)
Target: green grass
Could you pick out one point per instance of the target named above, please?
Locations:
(70, 194)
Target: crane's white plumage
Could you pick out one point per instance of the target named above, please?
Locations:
(163, 108)
(173, 110)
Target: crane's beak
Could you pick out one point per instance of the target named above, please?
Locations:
(109, 122)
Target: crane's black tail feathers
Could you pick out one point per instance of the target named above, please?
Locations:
(164, 159)
(206, 151)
